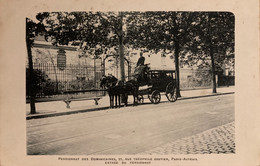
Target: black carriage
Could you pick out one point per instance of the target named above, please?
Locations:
(155, 83)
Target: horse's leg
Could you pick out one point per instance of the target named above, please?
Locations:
(119, 101)
(134, 100)
(126, 98)
(110, 99)
(133, 93)
(116, 100)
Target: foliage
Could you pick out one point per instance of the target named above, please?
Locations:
(80, 85)
(220, 39)
(42, 84)
(97, 32)
(33, 29)
(192, 37)
(93, 32)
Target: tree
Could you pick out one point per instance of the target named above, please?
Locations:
(32, 30)
(179, 33)
(214, 90)
(167, 31)
(94, 32)
(214, 39)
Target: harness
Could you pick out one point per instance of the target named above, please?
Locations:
(110, 82)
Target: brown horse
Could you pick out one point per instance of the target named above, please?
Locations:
(131, 88)
(116, 89)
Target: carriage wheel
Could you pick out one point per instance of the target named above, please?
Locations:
(140, 99)
(155, 97)
(171, 92)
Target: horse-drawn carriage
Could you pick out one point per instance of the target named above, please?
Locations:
(155, 83)
(146, 81)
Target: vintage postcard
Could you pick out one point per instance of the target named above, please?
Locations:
(129, 82)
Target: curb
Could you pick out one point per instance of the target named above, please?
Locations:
(104, 108)
(217, 94)
(64, 113)
(201, 88)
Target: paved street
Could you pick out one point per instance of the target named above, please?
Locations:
(202, 125)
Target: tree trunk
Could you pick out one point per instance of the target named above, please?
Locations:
(214, 90)
(95, 72)
(176, 55)
(121, 49)
(121, 60)
(129, 71)
(121, 53)
(32, 91)
(177, 73)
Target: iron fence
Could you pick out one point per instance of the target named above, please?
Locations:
(50, 80)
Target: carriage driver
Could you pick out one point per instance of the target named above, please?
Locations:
(141, 60)
(140, 68)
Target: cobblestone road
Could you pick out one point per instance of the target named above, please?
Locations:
(216, 140)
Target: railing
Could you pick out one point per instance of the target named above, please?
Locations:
(51, 82)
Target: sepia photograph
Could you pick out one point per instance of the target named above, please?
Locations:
(94, 82)
(127, 83)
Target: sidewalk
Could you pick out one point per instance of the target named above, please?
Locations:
(57, 108)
